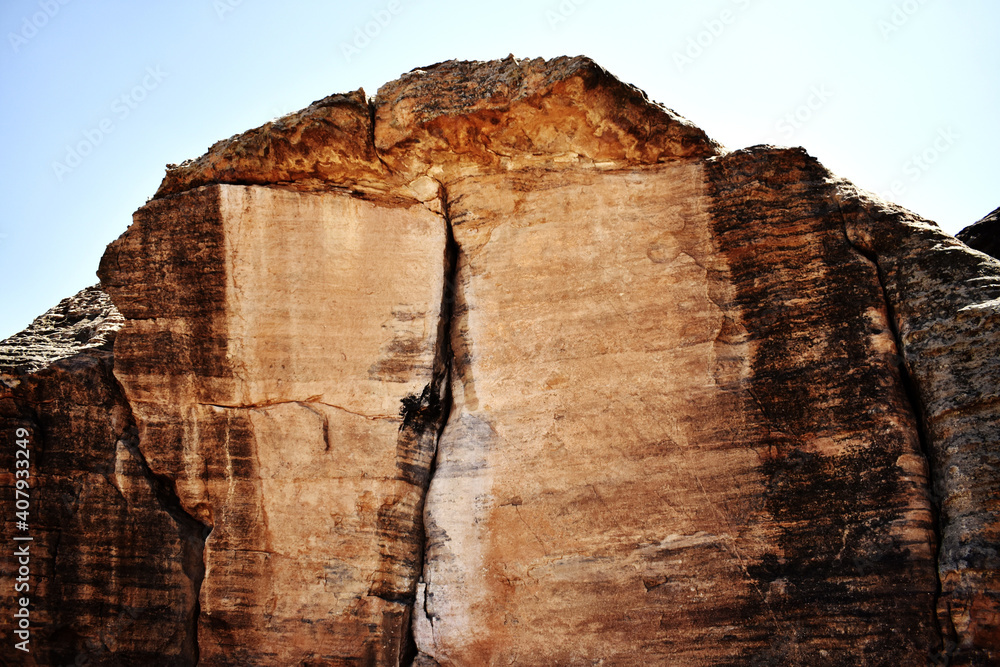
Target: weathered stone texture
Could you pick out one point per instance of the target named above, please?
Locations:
(115, 564)
(664, 428)
(457, 118)
(511, 365)
(327, 142)
(86, 321)
(946, 309)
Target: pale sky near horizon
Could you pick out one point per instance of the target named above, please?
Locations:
(899, 96)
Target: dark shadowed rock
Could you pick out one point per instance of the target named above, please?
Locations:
(984, 235)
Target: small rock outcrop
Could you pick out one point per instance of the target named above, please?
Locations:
(511, 365)
(983, 235)
(85, 321)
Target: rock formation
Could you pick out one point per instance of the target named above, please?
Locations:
(511, 365)
(114, 562)
(984, 235)
(85, 321)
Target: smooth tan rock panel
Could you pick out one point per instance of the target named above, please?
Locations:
(577, 480)
(288, 438)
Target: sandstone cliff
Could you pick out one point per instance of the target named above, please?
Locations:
(511, 365)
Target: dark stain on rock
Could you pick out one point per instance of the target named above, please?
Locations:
(806, 298)
(400, 358)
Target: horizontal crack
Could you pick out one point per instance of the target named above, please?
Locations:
(305, 403)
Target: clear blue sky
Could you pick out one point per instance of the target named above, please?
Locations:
(869, 84)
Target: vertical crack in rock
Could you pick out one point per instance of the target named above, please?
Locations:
(946, 315)
(194, 531)
(402, 536)
(916, 408)
(120, 563)
(441, 386)
(909, 386)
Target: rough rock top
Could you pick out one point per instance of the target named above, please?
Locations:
(510, 112)
(448, 120)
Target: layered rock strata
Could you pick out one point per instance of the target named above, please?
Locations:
(946, 310)
(510, 365)
(86, 321)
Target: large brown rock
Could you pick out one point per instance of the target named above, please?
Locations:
(511, 365)
(680, 431)
(945, 303)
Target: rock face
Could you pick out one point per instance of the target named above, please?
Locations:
(946, 305)
(510, 365)
(984, 235)
(114, 563)
(290, 355)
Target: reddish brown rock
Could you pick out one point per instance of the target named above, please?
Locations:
(457, 118)
(113, 563)
(665, 438)
(511, 365)
(291, 389)
(85, 321)
(945, 303)
(327, 142)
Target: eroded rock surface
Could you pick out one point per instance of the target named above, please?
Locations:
(273, 337)
(113, 562)
(86, 321)
(664, 428)
(511, 365)
(946, 310)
